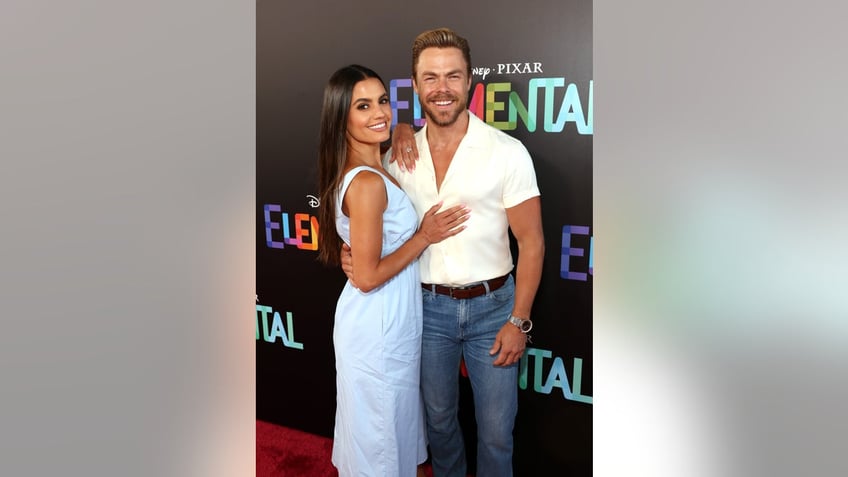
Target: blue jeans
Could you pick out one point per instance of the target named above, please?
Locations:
(455, 329)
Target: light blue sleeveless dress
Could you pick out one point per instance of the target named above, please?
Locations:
(379, 428)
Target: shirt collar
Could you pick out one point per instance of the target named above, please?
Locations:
(475, 135)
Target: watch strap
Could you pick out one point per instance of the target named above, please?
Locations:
(524, 325)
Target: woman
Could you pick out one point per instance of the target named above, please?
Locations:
(379, 428)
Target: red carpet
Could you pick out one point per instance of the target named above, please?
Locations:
(286, 452)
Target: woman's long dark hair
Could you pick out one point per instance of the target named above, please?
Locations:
(332, 154)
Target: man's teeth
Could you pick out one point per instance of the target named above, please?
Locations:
(443, 103)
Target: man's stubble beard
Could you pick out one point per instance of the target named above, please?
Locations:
(452, 117)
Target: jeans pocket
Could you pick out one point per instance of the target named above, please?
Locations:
(428, 295)
(504, 293)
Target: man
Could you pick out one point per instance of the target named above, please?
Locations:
(473, 307)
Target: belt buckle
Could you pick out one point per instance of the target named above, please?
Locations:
(466, 288)
(456, 289)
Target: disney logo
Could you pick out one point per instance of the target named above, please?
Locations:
(314, 202)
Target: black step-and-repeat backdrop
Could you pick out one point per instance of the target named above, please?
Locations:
(532, 78)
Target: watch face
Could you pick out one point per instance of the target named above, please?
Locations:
(523, 325)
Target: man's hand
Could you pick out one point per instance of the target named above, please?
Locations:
(404, 148)
(347, 263)
(510, 343)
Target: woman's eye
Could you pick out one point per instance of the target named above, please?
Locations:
(384, 100)
(362, 107)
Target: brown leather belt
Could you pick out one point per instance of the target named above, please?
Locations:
(471, 291)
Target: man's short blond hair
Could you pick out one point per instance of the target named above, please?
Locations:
(440, 38)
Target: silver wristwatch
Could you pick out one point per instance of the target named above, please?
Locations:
(524, 325)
